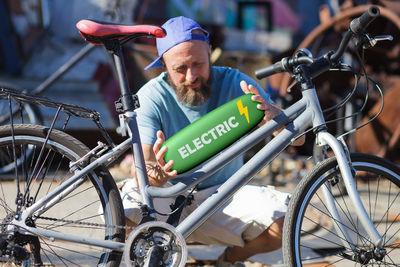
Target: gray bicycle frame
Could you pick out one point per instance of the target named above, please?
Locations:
(298, 117)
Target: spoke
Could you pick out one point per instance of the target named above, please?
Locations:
(390, 258)
(321, 256)
(7, 209)
(51, 251)
(326, 229)
(76, 221)
(349, 217)
(376, 196)
(337, 222)
(78, 193)
(54, 175)
(45, 172)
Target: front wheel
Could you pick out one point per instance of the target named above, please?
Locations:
(312, 232)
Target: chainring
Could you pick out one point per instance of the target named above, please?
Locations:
(141, 243)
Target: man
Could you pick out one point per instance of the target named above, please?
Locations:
(188, 89)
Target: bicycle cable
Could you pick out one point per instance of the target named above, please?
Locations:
(180, 205)
(348, 97)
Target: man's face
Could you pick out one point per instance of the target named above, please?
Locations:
(188, 67)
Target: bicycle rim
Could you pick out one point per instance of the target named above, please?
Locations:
(88, 211)
(312, 235)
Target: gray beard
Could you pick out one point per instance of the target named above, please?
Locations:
(193, 97)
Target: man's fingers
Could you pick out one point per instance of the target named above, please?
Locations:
(167, 169)
(160, 135)
(253, 89)
(244, 87)
(258, 98)
(160, 140)
(160, 155)
(248, 89)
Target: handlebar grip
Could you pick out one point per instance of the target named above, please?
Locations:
(358, 25)
(272, 69)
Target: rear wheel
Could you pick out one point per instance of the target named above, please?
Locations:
(312, 235)
(90, 210)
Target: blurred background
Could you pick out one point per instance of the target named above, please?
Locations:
(39, 36)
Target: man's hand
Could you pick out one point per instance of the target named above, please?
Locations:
(158, 171)
(270, 110)
(159, 155)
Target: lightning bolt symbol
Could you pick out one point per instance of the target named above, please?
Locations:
(243, 110)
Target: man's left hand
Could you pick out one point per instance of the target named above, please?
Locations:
(270, 110)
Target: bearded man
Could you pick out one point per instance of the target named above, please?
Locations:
(252, 221)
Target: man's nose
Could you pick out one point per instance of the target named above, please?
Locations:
(191, 75)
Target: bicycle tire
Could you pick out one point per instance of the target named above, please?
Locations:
(95, 201)
(23, 113)
(309, 231)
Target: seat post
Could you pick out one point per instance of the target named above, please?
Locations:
(129, 103)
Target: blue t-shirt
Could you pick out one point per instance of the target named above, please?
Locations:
(161, 110)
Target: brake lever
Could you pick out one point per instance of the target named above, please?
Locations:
(371, 42)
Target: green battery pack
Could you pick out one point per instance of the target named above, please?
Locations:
(212, 133)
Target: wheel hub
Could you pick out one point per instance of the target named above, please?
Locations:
(12, 245)
(363, 256)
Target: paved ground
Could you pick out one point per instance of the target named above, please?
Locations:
(286, 177)
(208, 254)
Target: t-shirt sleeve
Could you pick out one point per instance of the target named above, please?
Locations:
(148, 120)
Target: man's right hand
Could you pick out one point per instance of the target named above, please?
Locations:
(160, 153)
(158, 171)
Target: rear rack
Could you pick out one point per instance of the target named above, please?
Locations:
(69, 109)
(72, 110)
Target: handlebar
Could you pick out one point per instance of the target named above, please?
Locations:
(357, 27)
(281, 66)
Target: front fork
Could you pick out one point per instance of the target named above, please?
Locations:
(343, 159)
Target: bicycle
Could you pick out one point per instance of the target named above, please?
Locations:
(40, 219)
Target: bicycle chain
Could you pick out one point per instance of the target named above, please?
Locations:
(87, 223)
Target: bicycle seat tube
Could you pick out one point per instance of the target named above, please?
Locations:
(129, 103)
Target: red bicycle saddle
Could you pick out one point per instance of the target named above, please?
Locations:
(97, 32)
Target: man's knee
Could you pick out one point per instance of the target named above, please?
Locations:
(273, 234)
(129, 223)
(275, 230)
